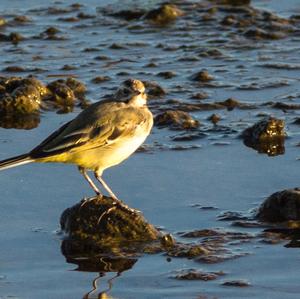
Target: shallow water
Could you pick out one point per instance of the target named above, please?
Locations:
(164, 184)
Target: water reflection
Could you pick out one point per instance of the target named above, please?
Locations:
(89, 261)
(20, 121)
(271, 147)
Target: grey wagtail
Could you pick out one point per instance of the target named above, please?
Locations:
(101, 136)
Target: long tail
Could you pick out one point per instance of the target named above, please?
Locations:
(15, 161)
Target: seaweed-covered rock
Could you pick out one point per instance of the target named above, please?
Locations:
(214, 118)
(13, 37)
(202, 76)
(232, 2)
(21, 95)
(78, 87)
(163, 15)
(62, 94)
(193, 274)
(154, 89)
(128, 14)
(65, 92)
(266, 128)
(19, 102)
(176, 120)
(231, 103)
(258, 33)
(266, 136)
(103, 226)
(281, 206)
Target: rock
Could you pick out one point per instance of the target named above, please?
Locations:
(236, 283)
(41, 87)
(21, 96)
(230, 104)
(285, 106)
(188, 251)
(100, 79)
(2, 21)
(68, 67)
(229, 20)
(176, 120)
(61, 94)
(13, 37)
(27, 98)
(202, 76)
(199, 96)
(266, 136)
(128, 15)
(166, 75)
(193, 274)
(258, 33)
(281, 206)
(14, 69)
(78, 87)
(102, 226)
(22, 19)
(214, 118)
(50, 31)
(232, 2)
(154, 89)
(164, 15)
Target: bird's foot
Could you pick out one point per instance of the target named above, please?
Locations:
(126, 208)
(105, 213)
(84, 201)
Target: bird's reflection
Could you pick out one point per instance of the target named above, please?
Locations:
(104, 265)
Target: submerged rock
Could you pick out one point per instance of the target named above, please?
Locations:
(176, 120)
(214, 118)
(99, 225)
(163, 15)
(266, 136)
(128, 14)
(202, 76)
(281, 206)
(232, 2)
(193, 274)
(154, 89)
(237, 283)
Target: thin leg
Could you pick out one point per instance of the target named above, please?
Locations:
(114, 197)
(99, 178)
(89, 180)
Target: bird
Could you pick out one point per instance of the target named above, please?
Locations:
(101, 136)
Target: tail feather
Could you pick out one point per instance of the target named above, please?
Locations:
(15, 161)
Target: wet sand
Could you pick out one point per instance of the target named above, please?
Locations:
(177, 190)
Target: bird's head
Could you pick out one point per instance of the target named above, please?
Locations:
(132, 91)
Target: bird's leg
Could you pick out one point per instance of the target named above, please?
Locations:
(113, 196)
(89, 180)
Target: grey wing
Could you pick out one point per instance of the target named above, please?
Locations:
(89, 133)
